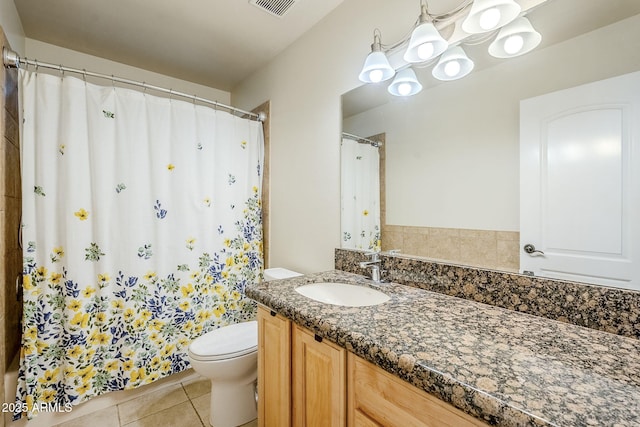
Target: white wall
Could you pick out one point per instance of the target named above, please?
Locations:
(304, 85)
(452, 151)
(10, 23)
(57, 55)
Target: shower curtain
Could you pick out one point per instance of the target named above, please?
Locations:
(360, 194)
(141, 227)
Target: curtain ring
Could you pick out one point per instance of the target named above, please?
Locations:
(84, 75)
(36, 61)
(61, 71)
(170, 94)
(194, 100)
(144, 88)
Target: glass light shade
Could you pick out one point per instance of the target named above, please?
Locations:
(515, 39)
(376, 68)
(453, 64)
(425, 43)
(488, 15)
(405, 84)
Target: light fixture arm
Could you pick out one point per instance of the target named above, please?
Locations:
(424, 15)
(376, 46)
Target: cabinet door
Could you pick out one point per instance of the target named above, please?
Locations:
(274, 369)
(319, 390)
(377, 398)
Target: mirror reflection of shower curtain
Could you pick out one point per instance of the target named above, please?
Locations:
(360, 196)
(142, 226)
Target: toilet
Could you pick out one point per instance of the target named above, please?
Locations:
(228, 356)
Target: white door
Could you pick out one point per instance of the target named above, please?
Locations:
(580, 183)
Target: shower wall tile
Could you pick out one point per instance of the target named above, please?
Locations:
(606, 309)
(11, 170)
(10, 212)
(3, 245)
(13, 262)
(11, 92)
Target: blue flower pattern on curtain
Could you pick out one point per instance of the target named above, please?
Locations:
(137, 240)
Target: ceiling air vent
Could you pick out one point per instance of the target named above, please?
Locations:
(277, 8)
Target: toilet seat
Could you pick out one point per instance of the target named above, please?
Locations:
(227, 342)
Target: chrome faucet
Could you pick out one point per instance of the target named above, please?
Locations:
(374, 264)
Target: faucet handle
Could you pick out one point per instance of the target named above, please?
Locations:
(391, 252)
(375, 256)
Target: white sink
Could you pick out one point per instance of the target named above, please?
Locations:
(342, 294)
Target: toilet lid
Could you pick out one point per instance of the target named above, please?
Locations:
(226, 342)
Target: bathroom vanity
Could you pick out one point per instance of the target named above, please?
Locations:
(297, 366)
(424, 358)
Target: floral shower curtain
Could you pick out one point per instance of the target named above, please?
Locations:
(360, 193)
(141, 228)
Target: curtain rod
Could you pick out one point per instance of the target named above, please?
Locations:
(12, 59)
(362, 140)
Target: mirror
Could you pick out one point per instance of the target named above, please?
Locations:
(450, 171)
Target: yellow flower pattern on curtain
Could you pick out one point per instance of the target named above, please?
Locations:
(142, 227)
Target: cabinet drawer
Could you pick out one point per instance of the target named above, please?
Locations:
(377, 398)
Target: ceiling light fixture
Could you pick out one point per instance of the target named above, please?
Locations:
(426, 42)
(515, 36)
(376, 67)
(405, 84)
(487, 15)
(453, 64)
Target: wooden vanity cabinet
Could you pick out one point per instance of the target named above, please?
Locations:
(305, 381)
(301, 378)
(376, 398)
(319, 381)
(274, 369)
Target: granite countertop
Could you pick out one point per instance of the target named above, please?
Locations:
(508, 368)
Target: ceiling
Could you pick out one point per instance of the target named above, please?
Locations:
(216, 43)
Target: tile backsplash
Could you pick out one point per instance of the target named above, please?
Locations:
(498, 250)
(603, 308)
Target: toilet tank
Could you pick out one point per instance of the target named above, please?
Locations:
(279, 273)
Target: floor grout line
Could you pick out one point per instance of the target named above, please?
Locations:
(198, 414)
(155, 413)
(145, 420)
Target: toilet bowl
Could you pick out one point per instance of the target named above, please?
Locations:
(228, 356)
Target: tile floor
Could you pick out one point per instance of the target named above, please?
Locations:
(179, 405)
(180, 400)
